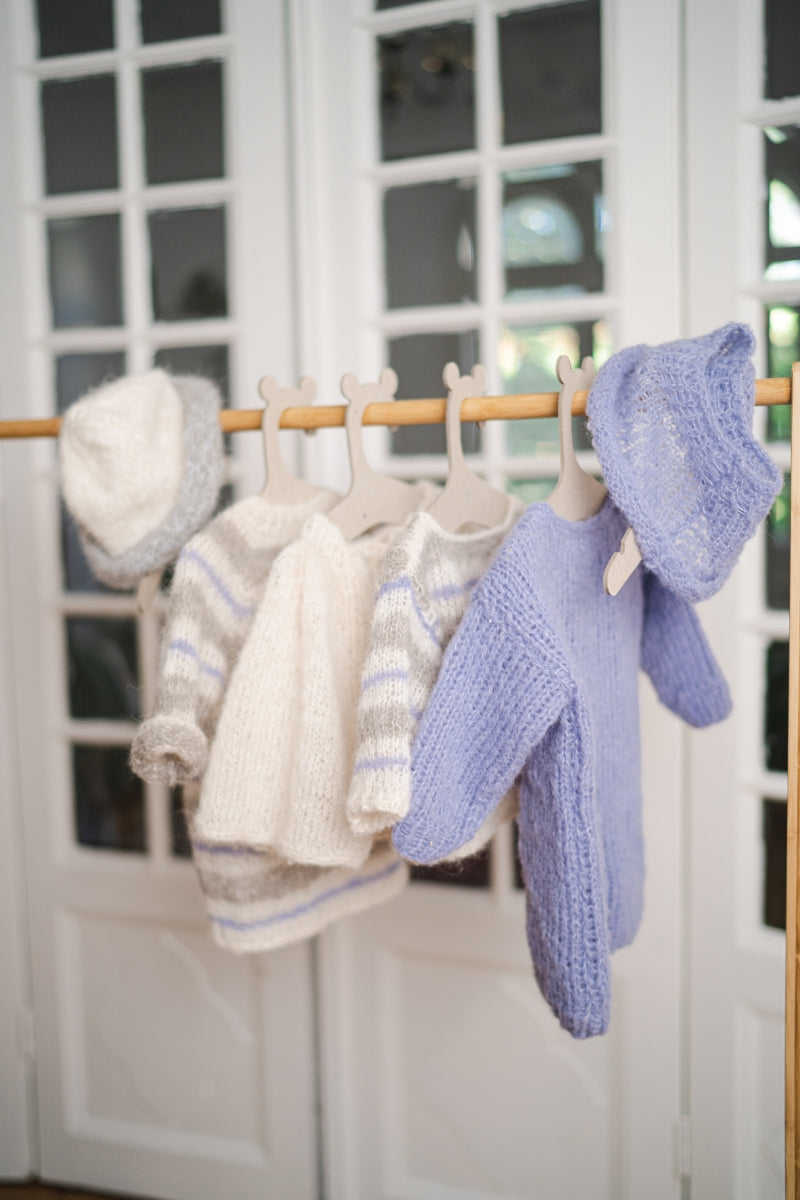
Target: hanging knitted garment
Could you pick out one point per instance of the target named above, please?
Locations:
(672, 427)
(540, 682)
(255, 900)
(422, 592)
(281, 763)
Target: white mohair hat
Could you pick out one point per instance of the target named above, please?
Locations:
(141, 467)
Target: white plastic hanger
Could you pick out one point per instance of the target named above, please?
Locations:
(623, 563)
(373, 499)
(577, 495)
(466, 498)
(282, 487)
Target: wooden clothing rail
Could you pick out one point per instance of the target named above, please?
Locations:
(545, 404)
(398, 412)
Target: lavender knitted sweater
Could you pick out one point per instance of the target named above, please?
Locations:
(540, 682)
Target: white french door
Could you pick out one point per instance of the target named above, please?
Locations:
(484, 180)
(151, 229)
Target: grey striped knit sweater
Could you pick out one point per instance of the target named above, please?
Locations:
(255, 900)
(422, 593)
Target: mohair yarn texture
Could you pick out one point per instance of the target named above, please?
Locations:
(539, 683)
(158, 479)
(280, 765)
(422, 591)
(672, 427)
(255, 900)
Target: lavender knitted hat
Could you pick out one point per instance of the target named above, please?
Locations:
(672, 427)
(141, 467)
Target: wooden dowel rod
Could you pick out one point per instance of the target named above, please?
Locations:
(399, 412)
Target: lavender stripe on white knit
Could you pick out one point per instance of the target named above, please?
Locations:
(240, 611)
(406, 584)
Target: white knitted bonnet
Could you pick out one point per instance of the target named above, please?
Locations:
(141, 464)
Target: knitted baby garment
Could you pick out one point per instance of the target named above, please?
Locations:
(540, 681)
(422, 592)
(255, 900)
(281, 763)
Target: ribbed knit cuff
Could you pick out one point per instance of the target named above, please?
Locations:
(169, 750)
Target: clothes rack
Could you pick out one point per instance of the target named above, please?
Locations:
(545, 404)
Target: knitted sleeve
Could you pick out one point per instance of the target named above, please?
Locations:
(676, 655)
(563, 867)
(400, 669)
(205, 622)
(493, 701)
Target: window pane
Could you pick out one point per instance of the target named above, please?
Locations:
(162, 22)
(419, 361)
(187, 252)
(468, 872)
(103, 676)
(427, 91)
(774, 832)
(777, 557)
(183, 122)
(782, 211)
(430, 243)
(783, 348)
(550, 72)
(527, 357)
(181, 846)
(109, 800)
(79, 123)
(77, 27)
(776, 707)
(554, 222)
(379, 4)
(77, 374)
(530, 491)
(85, 270)
(782, 37)
(77, 574)
(209, 361)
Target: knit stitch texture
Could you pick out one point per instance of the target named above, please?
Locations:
(281, 763)
(255, 900)
(423, 589)
(672, 427)
(540, 682)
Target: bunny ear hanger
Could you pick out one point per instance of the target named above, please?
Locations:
(466, 498)
(373, 499)
(282, 487)
(577, 495)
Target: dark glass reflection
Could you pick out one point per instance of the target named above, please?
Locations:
(109, 799)
(777, 544)
(188, 260)
(427, 91)
(774, 834)
(782, 37)
(553, 230)
(79, 126)
(776, 707)
(85, 270)
(550, 63)
(419, 360)
(782, 207)
(74, 26)
(168, 22)
(430, 243)
(77, 374)
(181, 846)
(103, 671)
(76, 572)
(183, 122)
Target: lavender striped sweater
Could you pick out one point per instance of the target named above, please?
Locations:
(540, 683)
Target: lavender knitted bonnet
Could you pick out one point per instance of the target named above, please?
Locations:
(672, 427)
